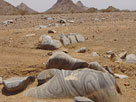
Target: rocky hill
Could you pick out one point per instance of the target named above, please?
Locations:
(81, 5)
(8, 9)
(64, 6)
(24, 7)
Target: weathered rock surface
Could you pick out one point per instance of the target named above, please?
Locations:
(131, 58)
(80, 38)
(65, 41)
(96, 66)
(17, 83)
(82, 99)
(96, 85)
(109, 70)
(51, 31)
(61, 60)
(46, 75)
(48, 43)
(123, 55)
(71, 38)
(81, 50)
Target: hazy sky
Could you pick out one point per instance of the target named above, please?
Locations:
(43, 5)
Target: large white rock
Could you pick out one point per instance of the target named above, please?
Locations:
(96, 85)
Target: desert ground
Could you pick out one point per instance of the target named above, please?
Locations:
(19, 55)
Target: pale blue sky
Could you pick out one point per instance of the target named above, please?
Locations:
(43, 5)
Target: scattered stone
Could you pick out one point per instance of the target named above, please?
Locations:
(94, 54)
(51, 31)
(41, 27)
(61, 60)
(62, 21)
(49, 54)
(82, 99)
(48, 43)
(81, 50)
(8, 22)
(1, 81)
(80, 38)
(29, 35)
(123, 55)
(131, 58)
(71, 38)
(120, 76)
(126, 84)
(110, 52)
(17, 83)
(45, 75)
(71, 21)
(115, 58)
(96, 66)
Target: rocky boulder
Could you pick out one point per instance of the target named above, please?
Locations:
(46, 75)
(17, 83)
(67, 39)
(48, 43)
(97, 86)
(131, 58)
(61, 60)
(96, 66)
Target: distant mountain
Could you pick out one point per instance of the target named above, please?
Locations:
(110, 9)
(8, 9)
(64, 6)
(81, 5)
(24, 7)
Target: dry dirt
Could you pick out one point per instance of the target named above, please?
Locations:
(19, 55)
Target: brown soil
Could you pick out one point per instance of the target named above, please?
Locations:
(110, 31)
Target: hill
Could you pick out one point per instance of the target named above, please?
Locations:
(24, 7)
(81, 5)
(64, 6)
(8, 9)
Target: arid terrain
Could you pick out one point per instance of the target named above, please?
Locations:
(19, 55)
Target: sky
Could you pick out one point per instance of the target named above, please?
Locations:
(43, 5)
